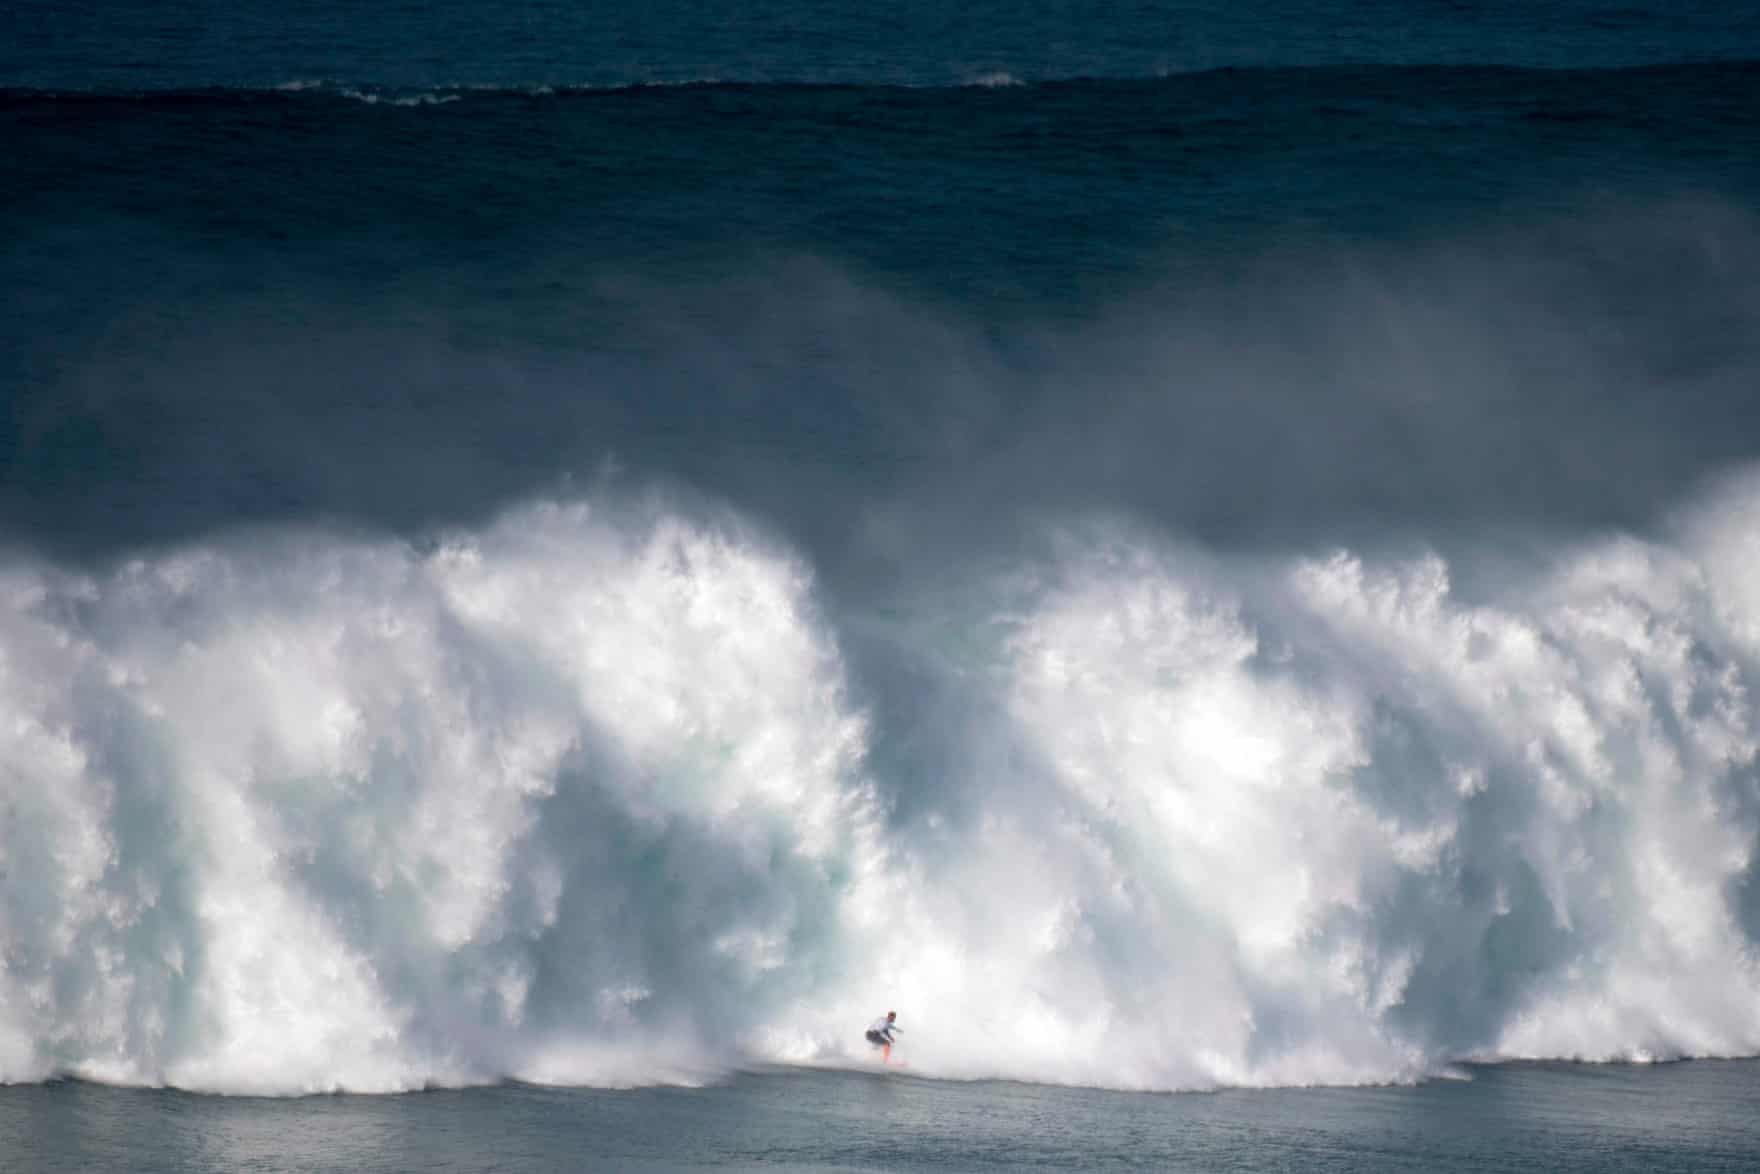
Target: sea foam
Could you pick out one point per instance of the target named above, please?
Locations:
(604, 792)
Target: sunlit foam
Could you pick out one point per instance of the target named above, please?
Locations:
(587, 795)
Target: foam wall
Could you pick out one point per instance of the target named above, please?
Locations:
(609, 792)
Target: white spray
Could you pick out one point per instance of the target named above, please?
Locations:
(592, 796)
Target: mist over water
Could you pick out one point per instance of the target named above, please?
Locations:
(1569, 372)
(634, 780)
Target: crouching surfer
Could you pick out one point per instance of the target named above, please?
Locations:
(880, 1033)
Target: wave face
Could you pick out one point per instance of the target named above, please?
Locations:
(590, 794)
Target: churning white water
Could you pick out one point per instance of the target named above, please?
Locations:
(600, 793)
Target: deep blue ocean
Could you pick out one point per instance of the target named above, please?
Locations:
(557, 560)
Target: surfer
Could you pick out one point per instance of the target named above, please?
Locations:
(880, 1033)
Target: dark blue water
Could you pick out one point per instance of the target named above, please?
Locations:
(883, 288)
(405, 267)
(194, 43)
(1185, 545)
(1691, 1117)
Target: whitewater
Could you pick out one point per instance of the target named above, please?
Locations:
(567, 548)
(597, 792)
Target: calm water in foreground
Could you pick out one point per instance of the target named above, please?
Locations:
(1690, 1116)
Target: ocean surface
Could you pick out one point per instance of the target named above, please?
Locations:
(1651, 1119)
(560, 559)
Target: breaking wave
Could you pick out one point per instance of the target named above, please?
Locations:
(609, 792)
